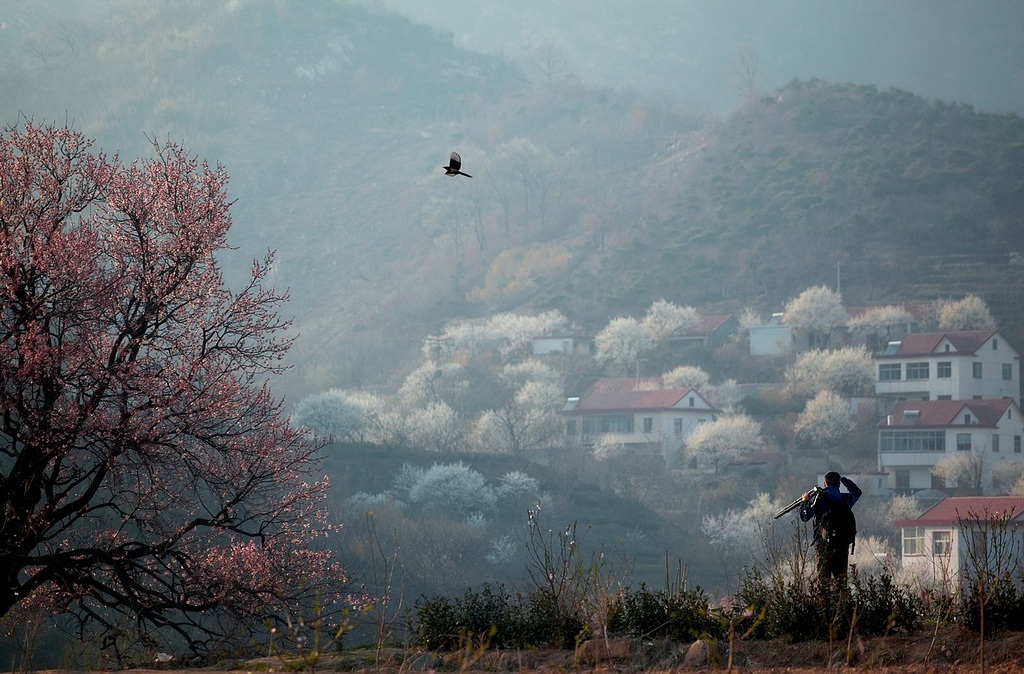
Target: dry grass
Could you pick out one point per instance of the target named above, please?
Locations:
(952, 650)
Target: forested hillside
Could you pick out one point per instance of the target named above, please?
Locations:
(333, 121)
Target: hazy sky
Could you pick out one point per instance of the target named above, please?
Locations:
(953, 50)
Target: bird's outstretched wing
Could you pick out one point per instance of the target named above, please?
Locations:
(454, 164)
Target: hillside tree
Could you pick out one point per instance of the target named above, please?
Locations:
(724, 440)
(818, 311)
(621, 342)
(686, 376)
(145, 469)
(825, 420)
(969, 313)
(331, 415)
(880, 325)
(848, 372)
(665, 320)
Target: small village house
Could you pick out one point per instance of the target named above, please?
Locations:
(973, 364)
(637, 414)
(960, 536)
(919, 434)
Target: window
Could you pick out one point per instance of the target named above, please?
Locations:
(890, 372)
(570, 427)
(942, 543)
(995, 344)
(995, 443)
(677, 428)
(913, 541)
(976, 370)
(1007, 372)
(917, 371)
(963, 442)
(608, 423)
(648, 424)
(912, 441)
(903, 479)
(967, 419)
(944, 369)
(617, 423)
(1016, 444)
(691, 401)
(944, 398)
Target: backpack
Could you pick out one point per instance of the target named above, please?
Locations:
(838, 523)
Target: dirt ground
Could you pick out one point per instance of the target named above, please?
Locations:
(950, 651)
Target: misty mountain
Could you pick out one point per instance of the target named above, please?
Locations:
(334, 120)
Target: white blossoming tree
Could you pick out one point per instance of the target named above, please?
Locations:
(724, 440)
(437, 427)
(963, 470)
(332, 415)
(880, 325)
(621, 342)
(818, 311)
(687, 376)
(825, 421)
(665, 320)
(848, 372)
(970, 313)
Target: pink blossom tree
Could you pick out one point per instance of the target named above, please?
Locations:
(146, 471)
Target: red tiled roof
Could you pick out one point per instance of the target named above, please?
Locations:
(622, 401)
(711, 322)
(954, 509)
(938, 413)
(925, 343)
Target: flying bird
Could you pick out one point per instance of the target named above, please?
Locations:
(454, 164)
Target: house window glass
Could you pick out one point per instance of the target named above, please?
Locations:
(995, 443)
(963, 442)
(917, 371)
(942, 543)
(890, 372)
(608, 423)
(912, 441)
(903, 479)
(617, 423)
(570, 427)
(913, 541)
(944, 369)
(1007, 371)
(648, 424)
(995, 344)
(1016, 444)
(691, 401)
(976, 370)
(677, 428)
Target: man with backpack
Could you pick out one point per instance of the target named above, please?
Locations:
(835, 526)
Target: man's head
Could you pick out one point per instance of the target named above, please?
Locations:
(831, 479)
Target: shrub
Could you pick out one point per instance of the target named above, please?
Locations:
(883, 607)
(442, 623)
(679, 616)
(779, 609)
(1001, 603)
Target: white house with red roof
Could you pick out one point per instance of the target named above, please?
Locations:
(949, 366)
(637, 414)
(918, 434)
(961, 535)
